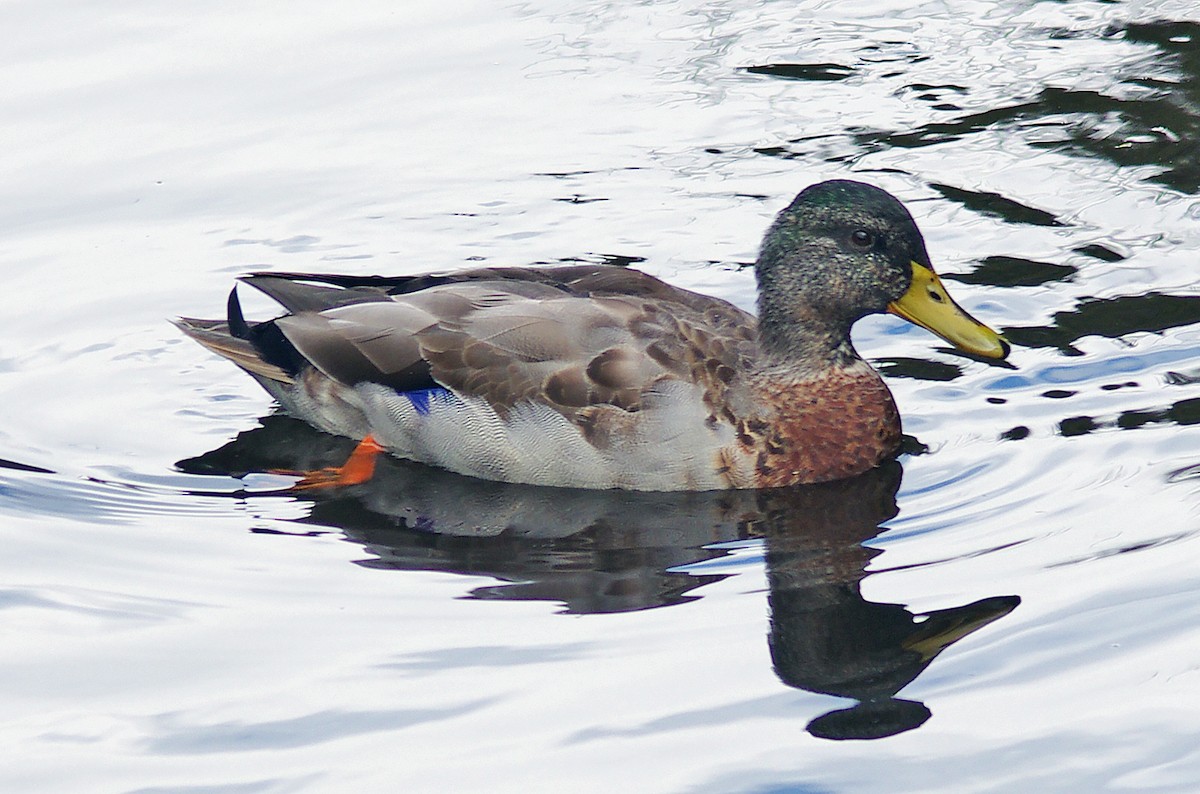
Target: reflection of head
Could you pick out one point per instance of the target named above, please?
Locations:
(827, 638)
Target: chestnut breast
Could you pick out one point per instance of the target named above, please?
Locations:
(834, 424)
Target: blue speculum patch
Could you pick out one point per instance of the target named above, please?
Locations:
(420, 398)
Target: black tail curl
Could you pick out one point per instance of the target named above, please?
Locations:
(266, 338)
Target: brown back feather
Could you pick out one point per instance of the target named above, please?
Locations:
(569, 337)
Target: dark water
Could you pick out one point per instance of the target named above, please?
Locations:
(1012, 607)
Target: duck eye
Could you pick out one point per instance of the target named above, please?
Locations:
(862, 238)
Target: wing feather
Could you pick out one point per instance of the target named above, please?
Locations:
(567, 337)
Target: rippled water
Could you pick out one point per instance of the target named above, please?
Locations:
(1012, 607)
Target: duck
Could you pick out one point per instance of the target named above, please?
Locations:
(606, 377)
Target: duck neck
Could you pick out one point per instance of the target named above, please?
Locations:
(799, 333)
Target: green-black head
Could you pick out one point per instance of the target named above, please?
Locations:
(840, 251)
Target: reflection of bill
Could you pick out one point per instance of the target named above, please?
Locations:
(618, 551)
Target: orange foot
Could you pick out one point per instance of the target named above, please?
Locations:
(358, 468)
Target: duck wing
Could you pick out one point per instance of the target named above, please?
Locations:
(571, 337)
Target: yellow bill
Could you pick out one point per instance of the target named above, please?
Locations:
(928, 305)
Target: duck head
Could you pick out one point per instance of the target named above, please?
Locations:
(840, 251)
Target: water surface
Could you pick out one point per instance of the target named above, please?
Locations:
(1011, 607)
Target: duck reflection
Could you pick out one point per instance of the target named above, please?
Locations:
(605, 551)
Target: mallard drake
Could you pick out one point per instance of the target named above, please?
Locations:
(606, 377)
